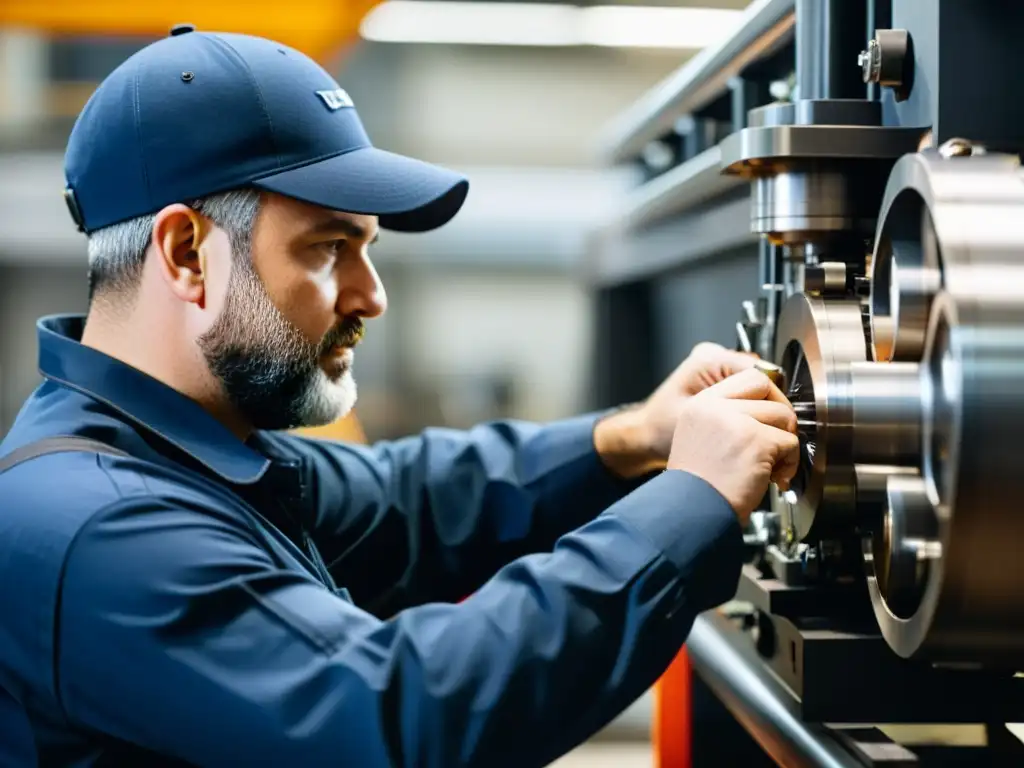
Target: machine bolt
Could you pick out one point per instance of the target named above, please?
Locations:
(887, 61)
(870, 62)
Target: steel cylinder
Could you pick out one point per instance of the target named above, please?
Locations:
(886, 405)
(790, 205)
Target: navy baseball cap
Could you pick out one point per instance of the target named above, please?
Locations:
(198, 113)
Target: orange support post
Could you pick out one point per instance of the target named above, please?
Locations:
(672, 717)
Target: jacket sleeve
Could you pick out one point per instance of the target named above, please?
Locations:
(179, 635)
(451, 507)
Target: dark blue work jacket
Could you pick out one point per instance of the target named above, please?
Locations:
(291, 602)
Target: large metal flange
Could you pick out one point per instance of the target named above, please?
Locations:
(817, 341)
(946, 570)
(933, 207)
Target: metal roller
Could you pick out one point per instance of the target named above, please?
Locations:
(886, 402)
(817, 342)
(857, 419)
(945, 570)
(907, 263)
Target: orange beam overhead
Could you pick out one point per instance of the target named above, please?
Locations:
(319, 28)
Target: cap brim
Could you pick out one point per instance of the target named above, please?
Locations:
(407, 195)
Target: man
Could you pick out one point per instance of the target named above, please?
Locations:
(193, 587)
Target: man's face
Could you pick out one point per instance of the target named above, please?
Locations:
(282, 346)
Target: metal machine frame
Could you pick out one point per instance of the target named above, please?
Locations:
(866, 150)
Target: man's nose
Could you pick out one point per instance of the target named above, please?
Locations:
(361, 291)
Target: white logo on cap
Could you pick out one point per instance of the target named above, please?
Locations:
(336, 98)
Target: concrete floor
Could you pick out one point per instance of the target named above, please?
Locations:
(608, 754)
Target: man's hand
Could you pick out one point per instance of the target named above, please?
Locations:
(636, 441)
(738, 435)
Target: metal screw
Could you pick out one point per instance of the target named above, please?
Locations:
(870, 62)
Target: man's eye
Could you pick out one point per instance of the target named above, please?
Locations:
(335, 246)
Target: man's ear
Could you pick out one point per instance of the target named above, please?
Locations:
(178, 233)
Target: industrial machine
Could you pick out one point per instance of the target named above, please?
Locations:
(863, 156)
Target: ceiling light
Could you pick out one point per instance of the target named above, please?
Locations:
(546, 24)
(413, 21)
(639, 27)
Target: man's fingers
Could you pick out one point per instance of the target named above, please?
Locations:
(735, 362)
(749, 384)
(770, 413)
(787, 461)
(775, 394)
(745, 385)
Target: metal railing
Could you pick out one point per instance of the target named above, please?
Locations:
(767, 25)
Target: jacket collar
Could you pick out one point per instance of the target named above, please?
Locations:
(148, 403)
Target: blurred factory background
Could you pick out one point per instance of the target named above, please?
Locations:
(490, 316)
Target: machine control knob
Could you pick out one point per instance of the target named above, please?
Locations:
(888, 61)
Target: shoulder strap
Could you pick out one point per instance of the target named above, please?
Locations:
(59, 444)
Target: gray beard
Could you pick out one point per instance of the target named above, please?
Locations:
(267, 367)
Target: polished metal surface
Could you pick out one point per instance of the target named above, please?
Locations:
(794, 206)
(836, 112)
(904, 282)
(918, 447)
(905, 273)
(852, 414)
(747, 152)
(886, 401)
(806, 183)
(967, 606)
(872, 493)
(898, 271)
(827, 278)
(904, 550)
(817, 342)
(737, 676)
(767, 26)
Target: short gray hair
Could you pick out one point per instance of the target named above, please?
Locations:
(118, 252)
